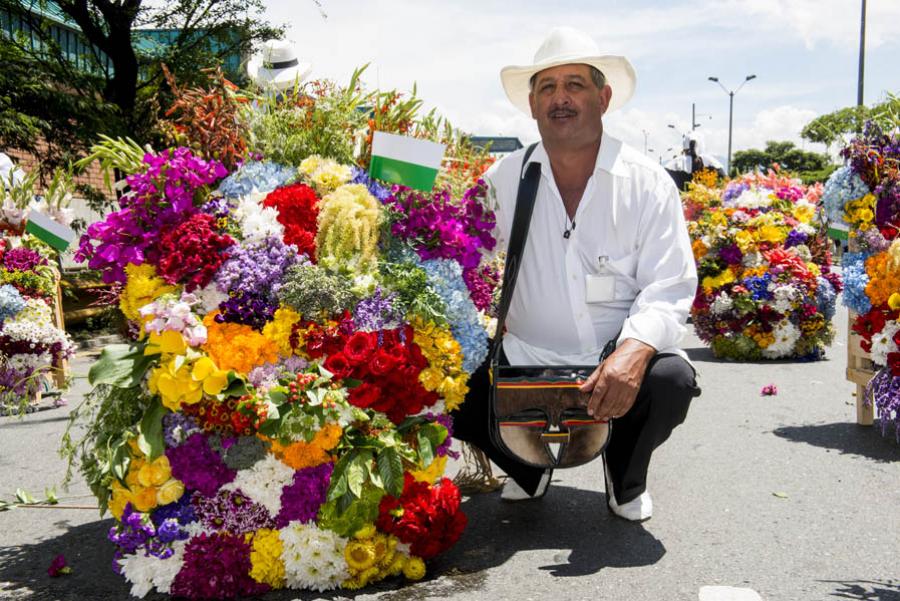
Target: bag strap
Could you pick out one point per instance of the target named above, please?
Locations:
(525, 197)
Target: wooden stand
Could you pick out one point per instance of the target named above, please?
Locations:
(860, 370)
(60, 366)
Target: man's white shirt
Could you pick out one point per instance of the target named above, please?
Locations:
(631, 215)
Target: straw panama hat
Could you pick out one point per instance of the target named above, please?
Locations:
(276, 66)
(566, 46)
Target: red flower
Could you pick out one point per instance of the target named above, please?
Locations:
(365, 395)
(338, 365)
(192, 252)
(360, 347)
(298, 210)
(425, 517)
(382, 362)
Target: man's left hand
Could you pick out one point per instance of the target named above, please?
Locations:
(614, 385)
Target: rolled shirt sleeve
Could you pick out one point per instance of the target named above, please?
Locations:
(666, 273)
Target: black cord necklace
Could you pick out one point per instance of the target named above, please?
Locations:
(569, 228)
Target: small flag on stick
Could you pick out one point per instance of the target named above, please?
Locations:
(55, 234)
(407, 161)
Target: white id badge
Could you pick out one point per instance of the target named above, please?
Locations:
(599, 288)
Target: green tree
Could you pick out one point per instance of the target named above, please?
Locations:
(115, 85)
(840, 125)
(785, 153)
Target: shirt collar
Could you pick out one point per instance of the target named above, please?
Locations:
(608, 158)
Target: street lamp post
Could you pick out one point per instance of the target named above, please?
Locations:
(731, 94)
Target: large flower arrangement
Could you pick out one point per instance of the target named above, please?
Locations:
(766, 289)
(31, 342)
(867, 190)
(281, 419)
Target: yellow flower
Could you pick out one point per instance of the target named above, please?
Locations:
(360, 555)
(414, 568)
(142, 287)
(174, 385)
(155, 473)
(894, 301)
(144, 499)
(121, 496)
(745, 242)
(265, 558)
(169, 341)
(432, 472)
(169, 492)
(367, 531)
(725, 277)
(804, 212)
(348, 230)
(770, 233)
(280, 328)
(214, 380)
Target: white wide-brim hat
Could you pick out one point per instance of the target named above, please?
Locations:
(568, 46)
(277, 66)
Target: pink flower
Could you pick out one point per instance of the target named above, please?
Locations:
(769, 390)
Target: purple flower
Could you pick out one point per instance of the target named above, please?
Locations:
(216, 566)
(731, 254)
(256, 268)
(795, 238)
(22, 259)
(59, 567)
(198, 466)
(301, 500)
(177, 427)
(254, 309)
(378, 312)
(231, 511)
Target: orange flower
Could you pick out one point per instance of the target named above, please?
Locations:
(237, 346)
(301, 454)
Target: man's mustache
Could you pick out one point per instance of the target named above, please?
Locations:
(562, 112)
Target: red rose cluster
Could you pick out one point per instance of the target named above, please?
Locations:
(425, 517)
(192, 252)
(298, 210)
(388, 363)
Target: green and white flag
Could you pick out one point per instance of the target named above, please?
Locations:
(55, 234)
(407, 161)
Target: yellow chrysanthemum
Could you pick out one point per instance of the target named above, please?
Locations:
(360, 555)
(444, 373)
(265, 558)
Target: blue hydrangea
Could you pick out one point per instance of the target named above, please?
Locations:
(825, 298)
(855, 280)
(256, 176)
(842, 186)
(11, 302)
(445, 276)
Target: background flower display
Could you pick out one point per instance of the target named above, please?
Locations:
(301, 334)
(766, 288)
(31, 342)
(867, 193)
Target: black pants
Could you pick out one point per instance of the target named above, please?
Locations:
(662, 404)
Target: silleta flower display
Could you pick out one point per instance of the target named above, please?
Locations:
(301, 334)
(867, 190)
(766, 288)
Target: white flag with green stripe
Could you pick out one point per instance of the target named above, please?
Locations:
(407, 161)
(55, 234)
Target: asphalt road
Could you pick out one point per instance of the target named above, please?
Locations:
(784, 495)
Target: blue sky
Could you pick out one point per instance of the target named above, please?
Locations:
(803, 52)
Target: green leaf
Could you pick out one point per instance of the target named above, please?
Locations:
(780, 495)
(357, 472)
(236, 386)
(278, 396)
(390, 467)
(339, 483)
(120, 365)
(426, 449)
(119, 460)
(50, 497)
(150, 431)
(23, 496)
(6, 506)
